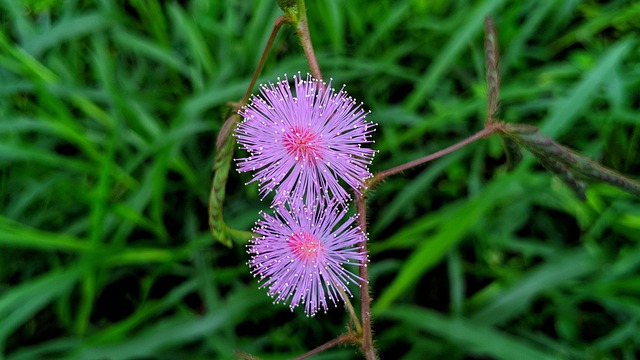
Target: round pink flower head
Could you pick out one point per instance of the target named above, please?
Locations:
(300, 255)
(300, 143)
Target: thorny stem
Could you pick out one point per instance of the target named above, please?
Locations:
(366, 342)
(490, 129)
(342, 339)
(305, 38)
(365, 300)
(228, 126)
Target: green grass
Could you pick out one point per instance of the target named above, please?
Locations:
(108, 119)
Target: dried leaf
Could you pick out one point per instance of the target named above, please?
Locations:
(492, 59)
(569, 165)
(512, 151)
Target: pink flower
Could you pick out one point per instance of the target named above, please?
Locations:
(300, 254)
(300, 143)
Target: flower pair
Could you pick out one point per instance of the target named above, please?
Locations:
(300, 144)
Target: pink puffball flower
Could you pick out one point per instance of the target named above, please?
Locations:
(300, 143)
(300, 254)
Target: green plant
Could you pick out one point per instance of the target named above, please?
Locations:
(106, 119)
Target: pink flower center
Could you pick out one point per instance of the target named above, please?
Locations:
(307, 248)
(303, 144)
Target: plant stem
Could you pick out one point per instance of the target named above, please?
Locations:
(228, 126)
(224, 150)
(365, 300)
(490, 129)
(342, 339)
(305, 38)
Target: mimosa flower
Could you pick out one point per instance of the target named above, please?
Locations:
(300, 143)
(299, 254)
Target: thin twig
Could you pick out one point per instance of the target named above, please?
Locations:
(490, 129)
(229, 125)
(342, 339)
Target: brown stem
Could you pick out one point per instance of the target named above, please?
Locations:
(305, 38)
(342, 339)
(281, 20)
(490, 129)
(365, 300)
(228, 126)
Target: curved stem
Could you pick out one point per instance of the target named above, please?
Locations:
(281, 20)
(365, 300)
(305, 38)
(224, 150)
(228, 126)
(490, 129)
(342, 339)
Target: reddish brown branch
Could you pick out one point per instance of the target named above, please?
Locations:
(342, 339)
(229, 125)
(490, 129)
(365, 299)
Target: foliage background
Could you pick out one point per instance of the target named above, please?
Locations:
(108, 117)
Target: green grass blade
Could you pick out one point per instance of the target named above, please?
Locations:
(515, 299)
(21, 303)
(433, 249)
(174, 331)
(566, 110)
(471, 26)
(17, 235)
(65, 30)
(469, 337)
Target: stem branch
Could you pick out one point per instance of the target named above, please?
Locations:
(342, 339)
(228, 126)
(490, 129)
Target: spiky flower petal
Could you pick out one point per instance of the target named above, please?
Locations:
(301, 142)
(300, 253)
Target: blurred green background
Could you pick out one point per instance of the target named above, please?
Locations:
(108, 116)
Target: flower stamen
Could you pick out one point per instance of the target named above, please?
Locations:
(303, 144)
(306, 247)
